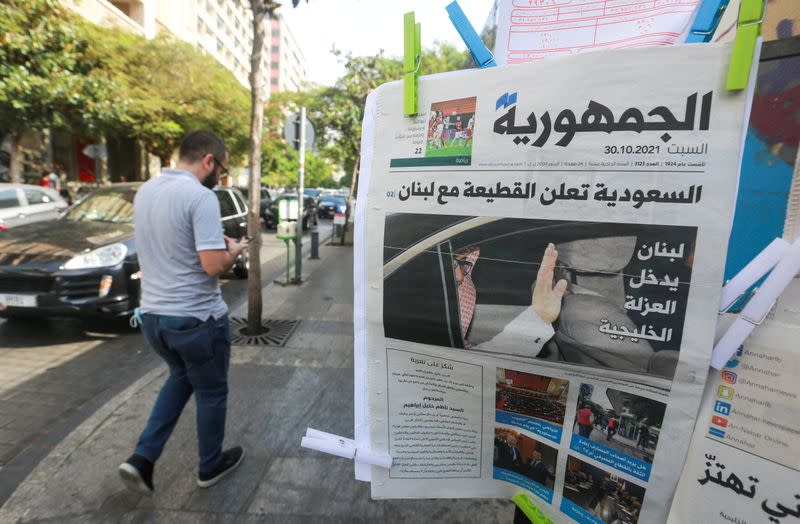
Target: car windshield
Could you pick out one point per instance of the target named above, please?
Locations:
(337, 200)
(104, 206)
(311, 192)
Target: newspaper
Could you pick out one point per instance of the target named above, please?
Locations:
(744, 461)
(534, 30)
(542, 251)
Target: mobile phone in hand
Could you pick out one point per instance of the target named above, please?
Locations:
(245, 239)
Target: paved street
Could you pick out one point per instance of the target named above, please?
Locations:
(276, 393)
(54, 373)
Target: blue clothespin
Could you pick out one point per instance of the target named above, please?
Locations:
(705, 23)
(482, 56)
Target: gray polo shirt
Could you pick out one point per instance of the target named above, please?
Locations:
(175, 216)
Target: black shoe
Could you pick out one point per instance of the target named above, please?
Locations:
(231, 458)
(137, 474)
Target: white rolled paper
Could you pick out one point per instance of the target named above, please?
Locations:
(368, 456)
(315, 433)
(329, 446)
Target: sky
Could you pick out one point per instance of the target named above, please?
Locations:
(364, 27)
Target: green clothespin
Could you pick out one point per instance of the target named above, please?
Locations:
(748, 29)
(412, 58)
(533, 513)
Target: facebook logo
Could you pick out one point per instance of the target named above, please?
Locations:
(716, 432)
(722, 407)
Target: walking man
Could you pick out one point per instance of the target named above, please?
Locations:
(612, 428)
(584, 417)
(181, 252)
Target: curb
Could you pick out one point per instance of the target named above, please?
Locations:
(33, 487)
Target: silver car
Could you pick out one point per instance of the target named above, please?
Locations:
(24, 204)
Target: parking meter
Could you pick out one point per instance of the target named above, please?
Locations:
(287, 227)
(287, 219)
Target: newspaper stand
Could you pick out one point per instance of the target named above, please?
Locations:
(287, 229)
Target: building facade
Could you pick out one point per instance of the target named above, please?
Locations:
(222, 29)
(287, 64)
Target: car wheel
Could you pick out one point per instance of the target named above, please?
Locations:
(242, 266)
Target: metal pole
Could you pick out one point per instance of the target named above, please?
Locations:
(298, 260)
(315, 245)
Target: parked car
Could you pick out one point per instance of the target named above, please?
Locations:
(309, 211)
(84, 263)
(316, 194)
(24, 204)
(233, 209)
(330, 205)
(266, 200)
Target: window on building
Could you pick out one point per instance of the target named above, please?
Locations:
(220, 23)
(274, 81)
(220, 45)
(276, 32)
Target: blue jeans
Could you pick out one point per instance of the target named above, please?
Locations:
(197, 353)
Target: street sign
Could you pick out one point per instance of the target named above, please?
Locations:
(291, 132)
(96, 151)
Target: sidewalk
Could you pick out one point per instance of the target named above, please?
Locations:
(275, 394)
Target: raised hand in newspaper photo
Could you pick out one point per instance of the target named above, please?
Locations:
(546, 300)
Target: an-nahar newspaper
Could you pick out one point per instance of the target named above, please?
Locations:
(543, 249)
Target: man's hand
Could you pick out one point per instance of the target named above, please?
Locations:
(546, 297)
(235, 248)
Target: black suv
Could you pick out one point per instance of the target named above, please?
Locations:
(84, 263)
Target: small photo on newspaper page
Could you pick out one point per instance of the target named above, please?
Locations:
(607, 295)
(524, 461)
(532, 402)
(617, 428)
(597, 495)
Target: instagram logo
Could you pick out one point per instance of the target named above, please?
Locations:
(729, 377)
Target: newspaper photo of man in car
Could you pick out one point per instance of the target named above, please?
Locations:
(605, 295)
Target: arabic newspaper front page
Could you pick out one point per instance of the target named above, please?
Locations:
(544, 247)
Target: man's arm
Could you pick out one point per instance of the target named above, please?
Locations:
(530, 331)
(216, 262)
(217, 252)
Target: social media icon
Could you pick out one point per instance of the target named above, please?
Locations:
(719, 421)
(725, 392)
(722, 407)
(732, 363)
(716, 432)
(729, 377)
(740, 351)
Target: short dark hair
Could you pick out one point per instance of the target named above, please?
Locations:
(198, 144)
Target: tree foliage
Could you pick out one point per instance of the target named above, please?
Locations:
(341, 107)
(337, 111)
(172, 89)
(50, 73)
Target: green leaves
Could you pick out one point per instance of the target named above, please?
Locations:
(58, 70)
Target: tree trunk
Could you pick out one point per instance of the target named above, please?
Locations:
(15, 161)
(254, 304)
